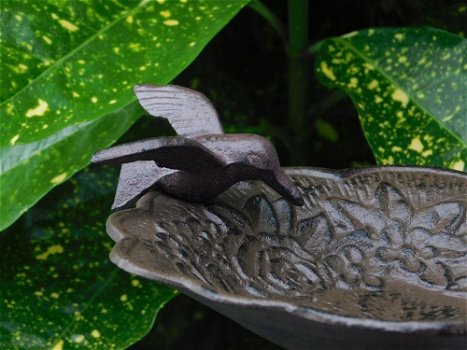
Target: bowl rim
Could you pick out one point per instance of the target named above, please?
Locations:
(193, 286)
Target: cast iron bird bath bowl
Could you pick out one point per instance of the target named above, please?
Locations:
(376, 258)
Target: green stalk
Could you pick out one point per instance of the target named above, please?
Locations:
(298, 76)
(271, 18)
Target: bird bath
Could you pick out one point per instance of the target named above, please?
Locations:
(374, 258)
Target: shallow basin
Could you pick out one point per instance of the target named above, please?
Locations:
(375, 259)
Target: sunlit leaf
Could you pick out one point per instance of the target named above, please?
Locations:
(58, 287)
(408, 86)
(28, 171)
(65, 63)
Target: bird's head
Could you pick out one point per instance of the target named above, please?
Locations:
(252, 157)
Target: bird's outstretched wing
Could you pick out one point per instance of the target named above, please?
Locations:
(174, 152)
(135, 180)
(189, 112)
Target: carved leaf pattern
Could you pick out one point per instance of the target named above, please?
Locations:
(364, 232)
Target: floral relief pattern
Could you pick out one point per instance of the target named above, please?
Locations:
(356, 238)
(425, 244)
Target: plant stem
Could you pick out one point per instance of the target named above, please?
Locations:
(311, 50)
(271, 18)
(326, 102)
(298, 76)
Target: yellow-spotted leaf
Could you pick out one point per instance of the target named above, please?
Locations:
(58, 288)
(69, 63)
(28, 171)
(409, 87)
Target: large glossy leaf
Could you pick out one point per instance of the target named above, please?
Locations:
(409, 87)
(58, 288)
(28, 171)
(66, 63)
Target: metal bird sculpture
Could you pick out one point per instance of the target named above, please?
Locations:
(201, 162)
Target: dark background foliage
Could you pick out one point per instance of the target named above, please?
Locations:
(244, 72)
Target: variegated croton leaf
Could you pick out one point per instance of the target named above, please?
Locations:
(68, 68)
(58, 288)
(409, 88)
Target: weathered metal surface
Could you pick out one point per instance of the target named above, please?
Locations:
(199, 166)
(376, 258)
(189, 112)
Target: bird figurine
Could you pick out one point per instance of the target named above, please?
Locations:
(198, 164)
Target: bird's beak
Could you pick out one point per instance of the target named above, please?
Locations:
(282, 184)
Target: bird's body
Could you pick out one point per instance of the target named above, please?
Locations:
(194, 168)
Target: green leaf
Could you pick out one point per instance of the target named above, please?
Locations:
(408, 86)
(59, 289)
(29, 171)
(67, 63)
(326, 130)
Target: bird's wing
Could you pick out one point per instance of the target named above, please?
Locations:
(189, 112)
(136, 179)
(174, 152)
